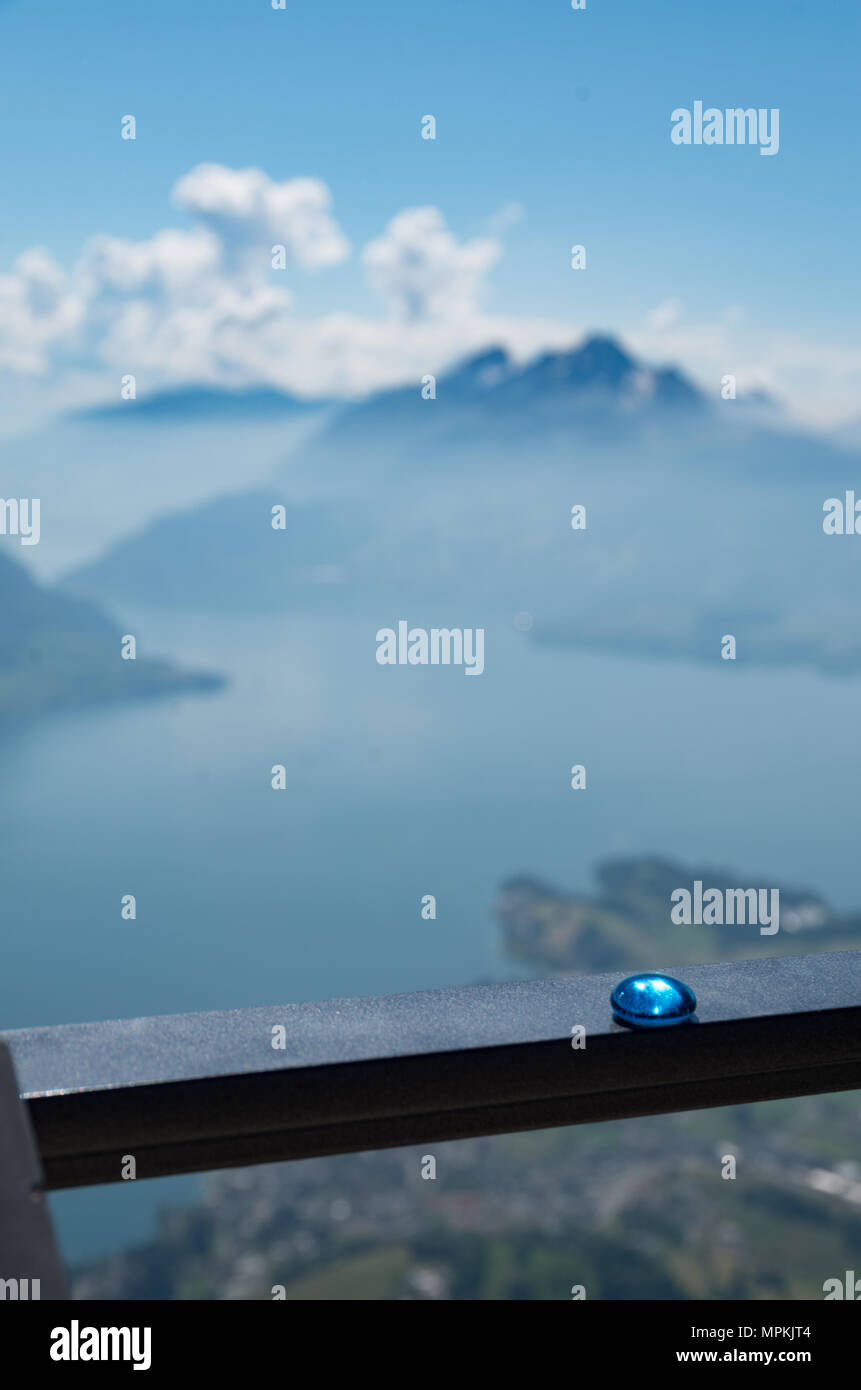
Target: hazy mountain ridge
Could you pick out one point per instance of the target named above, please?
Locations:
(203, 402)
(596, 390)
(57, 651)
(230, 552)
(702, 517)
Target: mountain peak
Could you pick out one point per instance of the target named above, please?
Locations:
(600, 371)
(204, 403)
(599, 361)
(485, 369)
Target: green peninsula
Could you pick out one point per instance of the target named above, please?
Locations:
(627, 924)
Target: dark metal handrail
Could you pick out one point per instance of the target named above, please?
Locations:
(194, 1092)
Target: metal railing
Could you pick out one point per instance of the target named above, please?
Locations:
(195, 1092)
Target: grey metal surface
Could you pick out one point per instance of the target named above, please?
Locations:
(30, 1265)
(186, 1092)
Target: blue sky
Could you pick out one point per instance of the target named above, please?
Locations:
(564, 113)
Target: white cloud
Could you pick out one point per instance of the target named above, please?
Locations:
(38, 309)
(202, 304)
(505, 217)
(248, 211)
(815, 382)
(665, 315)
(166, 267)
(423, 271)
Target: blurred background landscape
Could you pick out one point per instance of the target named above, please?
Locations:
(448, 262)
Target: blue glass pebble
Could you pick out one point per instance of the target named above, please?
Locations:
(652, 1001)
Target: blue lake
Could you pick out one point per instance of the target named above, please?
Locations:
(401, 781)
